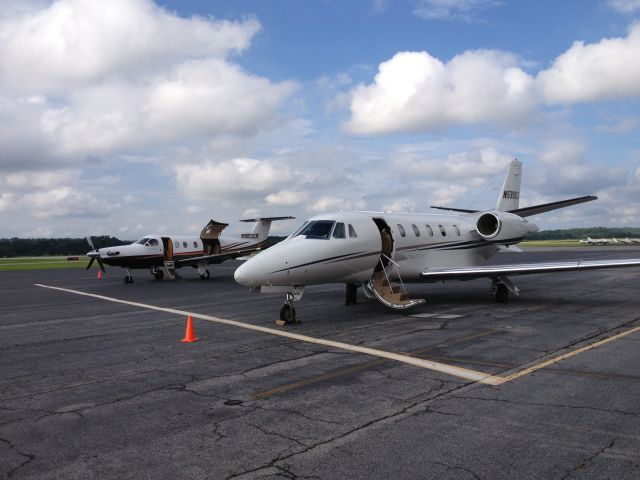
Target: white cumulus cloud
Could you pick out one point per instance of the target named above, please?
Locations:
(608, 69)
(236, 178)
(81, 78)
(414, 91)
(80, 42)
(624, 6)
(462, 10)
(287, 198)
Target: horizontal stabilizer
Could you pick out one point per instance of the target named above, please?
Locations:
(547, 207)
(266, 218)
(493, 271)
(534, 210)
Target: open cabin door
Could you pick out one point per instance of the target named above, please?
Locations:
(388, 292)
(386, 251)
(210, 237)
(167, 247)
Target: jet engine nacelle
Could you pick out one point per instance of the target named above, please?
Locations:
(503, 227)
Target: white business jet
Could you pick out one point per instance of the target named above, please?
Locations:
(166, 253)
(600, 241)
(382, 251)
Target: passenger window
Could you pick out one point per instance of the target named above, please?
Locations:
(338, 232)
(195, 244)
(429, 230)
(455, 227)
(176, 244)
(415, 230)
(184, 244)
(442, 230)
(401, 230)
(352, 232)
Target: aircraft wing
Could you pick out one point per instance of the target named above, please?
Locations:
(493, 271)
(215, 258)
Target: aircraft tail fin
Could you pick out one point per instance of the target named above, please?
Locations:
(260, 230)
(509, 198)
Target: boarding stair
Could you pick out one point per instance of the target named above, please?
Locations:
(170, 268)
(390, 293)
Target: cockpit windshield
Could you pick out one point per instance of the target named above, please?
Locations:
(148, 242)
(318, 229)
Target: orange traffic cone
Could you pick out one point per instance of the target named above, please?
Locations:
(190, 334)
(99, 274)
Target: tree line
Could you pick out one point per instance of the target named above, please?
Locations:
(37, 247)
(580, 233)
(46, 247)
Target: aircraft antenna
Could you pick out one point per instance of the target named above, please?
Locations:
(500, 174)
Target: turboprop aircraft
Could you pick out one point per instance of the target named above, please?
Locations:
(381, 251)
(166, 253)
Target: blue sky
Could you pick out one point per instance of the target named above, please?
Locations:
(132, 116)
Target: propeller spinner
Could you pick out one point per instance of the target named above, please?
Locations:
(94, 254)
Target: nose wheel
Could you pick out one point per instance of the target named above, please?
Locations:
(128, 278)
(287, 312)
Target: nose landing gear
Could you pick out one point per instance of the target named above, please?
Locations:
(287, 312)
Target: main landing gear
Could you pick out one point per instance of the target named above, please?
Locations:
(157, 273)
(351, 294)
(128, 278)
(501, 287)
(202, 271)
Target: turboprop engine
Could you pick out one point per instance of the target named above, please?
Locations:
(503, 227)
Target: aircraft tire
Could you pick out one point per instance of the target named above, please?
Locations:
(158, 274)
(128, 279)
(502, 294)
(288, 313)
(205, 275)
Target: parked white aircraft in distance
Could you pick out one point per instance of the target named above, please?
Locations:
(600, 241)
(628, 241)
(166, 253)
(380, 251)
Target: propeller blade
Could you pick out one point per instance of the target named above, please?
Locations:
(101, 265)
(90, 263)
(90, 242)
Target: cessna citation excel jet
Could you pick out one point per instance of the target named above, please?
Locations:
(380, 251)
(166, 253)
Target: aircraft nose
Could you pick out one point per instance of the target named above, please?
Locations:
(250, 273)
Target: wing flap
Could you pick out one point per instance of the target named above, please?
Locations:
(492, 271)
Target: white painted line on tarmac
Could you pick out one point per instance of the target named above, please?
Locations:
(572, 353)
(464, 373)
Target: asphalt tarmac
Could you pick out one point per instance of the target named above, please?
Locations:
(91, 388)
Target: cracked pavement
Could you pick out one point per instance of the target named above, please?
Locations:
(92, 389)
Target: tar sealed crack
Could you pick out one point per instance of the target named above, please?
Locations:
(584, 463)
(28, 457)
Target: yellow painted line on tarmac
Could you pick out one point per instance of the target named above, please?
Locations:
(459, 372)
(559, 358)
(355, 369)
